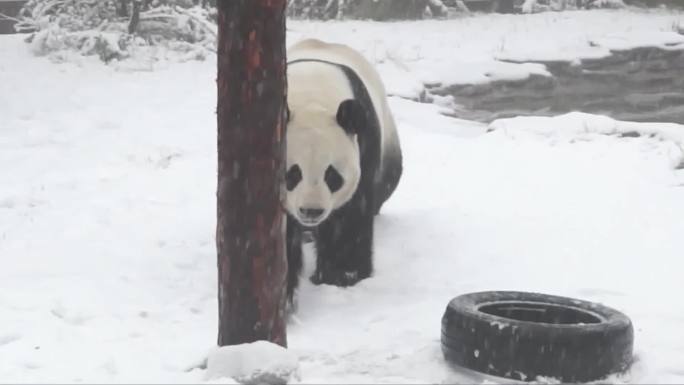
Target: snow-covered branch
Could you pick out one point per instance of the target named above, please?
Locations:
(115, 29)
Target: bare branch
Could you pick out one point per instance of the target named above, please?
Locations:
(5, 17)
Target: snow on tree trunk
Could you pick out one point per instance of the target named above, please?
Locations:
(251, 165)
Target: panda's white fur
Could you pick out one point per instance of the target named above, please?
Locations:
(363, 153)
(314, 141)
(315, 91)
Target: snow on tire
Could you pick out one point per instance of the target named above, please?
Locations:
(524, 336)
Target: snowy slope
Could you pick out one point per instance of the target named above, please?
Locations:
(107, 208)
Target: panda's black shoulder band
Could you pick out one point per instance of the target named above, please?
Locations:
(315, 60)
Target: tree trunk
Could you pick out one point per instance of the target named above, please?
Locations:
(122, 8)
(250, 233)
(135, 17)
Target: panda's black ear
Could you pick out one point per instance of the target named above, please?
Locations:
(351, 116)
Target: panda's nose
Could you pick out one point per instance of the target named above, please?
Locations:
(311, 212)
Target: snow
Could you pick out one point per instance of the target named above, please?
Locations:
(580, 126)
(258, 362)
(468, 50)
(107, 200)
(625, 41)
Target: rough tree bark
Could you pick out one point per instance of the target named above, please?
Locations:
(250, 233)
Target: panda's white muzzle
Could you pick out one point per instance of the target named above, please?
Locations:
(311, 216)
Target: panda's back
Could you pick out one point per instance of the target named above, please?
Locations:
(309, 86)
(341, 54)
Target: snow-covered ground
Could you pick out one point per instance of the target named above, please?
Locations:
(107, 214)
(470, 49)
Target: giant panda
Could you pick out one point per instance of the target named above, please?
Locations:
(343, 160)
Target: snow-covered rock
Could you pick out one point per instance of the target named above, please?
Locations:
(260, 362)
(581, 126)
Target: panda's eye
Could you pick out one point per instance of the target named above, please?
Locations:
(333, 179)
(293, 177)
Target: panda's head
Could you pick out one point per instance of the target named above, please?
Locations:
(323, 160)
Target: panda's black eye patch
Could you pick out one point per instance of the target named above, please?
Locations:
(333, 179)
(293, 177)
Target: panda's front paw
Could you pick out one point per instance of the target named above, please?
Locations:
(337, 278)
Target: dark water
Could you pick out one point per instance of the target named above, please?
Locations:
(642, 84)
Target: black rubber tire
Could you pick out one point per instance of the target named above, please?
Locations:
(570, 340)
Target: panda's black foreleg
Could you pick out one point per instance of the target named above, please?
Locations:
(344, 244)
(294, 257)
